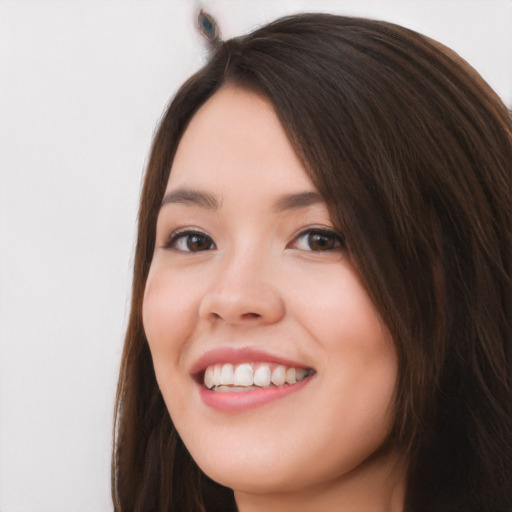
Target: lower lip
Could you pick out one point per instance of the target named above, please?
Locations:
(238, 401)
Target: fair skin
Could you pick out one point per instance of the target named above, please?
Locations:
(250, 276)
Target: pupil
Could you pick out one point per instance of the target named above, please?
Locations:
(320, 242)
(197, 243)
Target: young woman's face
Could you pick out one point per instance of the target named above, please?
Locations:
(276, 368)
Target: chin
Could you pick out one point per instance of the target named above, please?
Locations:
(260, 464)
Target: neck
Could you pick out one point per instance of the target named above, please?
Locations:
(378, 488)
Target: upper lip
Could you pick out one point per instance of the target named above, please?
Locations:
(240, 355)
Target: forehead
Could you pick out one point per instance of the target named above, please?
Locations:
(236, 138)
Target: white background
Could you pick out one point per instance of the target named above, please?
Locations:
(82, 85)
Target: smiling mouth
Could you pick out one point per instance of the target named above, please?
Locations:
(242, 377)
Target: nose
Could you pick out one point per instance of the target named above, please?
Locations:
(242, 291)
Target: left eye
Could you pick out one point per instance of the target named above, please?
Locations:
(190, 241)
(318, 240)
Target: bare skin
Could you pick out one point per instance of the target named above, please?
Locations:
(248, 261)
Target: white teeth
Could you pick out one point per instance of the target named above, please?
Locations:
(243, 375)
(227, 374)
(300, 373)
(208, 377)
(262, 376)
(247, 376)
(217, 376)
(279, 376)
(290, 376)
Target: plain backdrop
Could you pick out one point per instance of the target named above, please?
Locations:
(82, 86)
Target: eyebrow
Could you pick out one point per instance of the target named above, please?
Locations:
(210, 201)
(300, 200)
(191, 196)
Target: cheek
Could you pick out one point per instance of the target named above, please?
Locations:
(335, 308)
(169, 315)
(357, 339)
(359, 361)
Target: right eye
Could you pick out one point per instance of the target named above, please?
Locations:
(190, 241)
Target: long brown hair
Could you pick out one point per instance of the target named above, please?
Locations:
(412, 151)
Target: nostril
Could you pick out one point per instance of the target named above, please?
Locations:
(250, 315)
(243, 316)
(238, 305)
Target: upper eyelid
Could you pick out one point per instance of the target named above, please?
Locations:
(318, 229)
(323, 230)
(189, 230)
(302, 231)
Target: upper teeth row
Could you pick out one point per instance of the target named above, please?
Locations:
(249, 374)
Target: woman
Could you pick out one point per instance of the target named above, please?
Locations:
(321, 302)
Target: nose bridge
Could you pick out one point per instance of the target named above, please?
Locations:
(242, 288)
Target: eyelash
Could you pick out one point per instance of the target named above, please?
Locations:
(335, 240)
(174, 238)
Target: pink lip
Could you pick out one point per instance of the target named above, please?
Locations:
(239, 355)
(232, 402)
